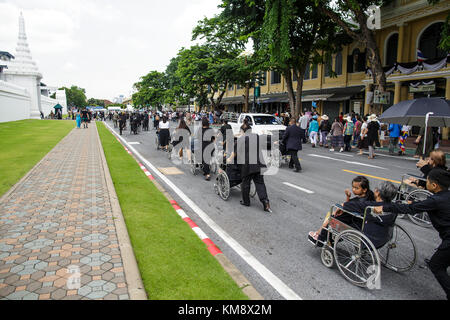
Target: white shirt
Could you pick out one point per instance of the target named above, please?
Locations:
(163, 125)
(363, 126)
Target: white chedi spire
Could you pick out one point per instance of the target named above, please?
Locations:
(23, 63)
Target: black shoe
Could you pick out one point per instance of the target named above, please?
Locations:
(291, 167)
(314, 241)
(244, 204)
(298, 170)
(267, 207)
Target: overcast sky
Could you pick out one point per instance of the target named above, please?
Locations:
(104, 46)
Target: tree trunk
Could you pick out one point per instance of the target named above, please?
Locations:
(246, 94)
(290, 89)
(299, 92)
(373, 55)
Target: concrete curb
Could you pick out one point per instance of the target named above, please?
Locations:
(132, 274)
(228, 266)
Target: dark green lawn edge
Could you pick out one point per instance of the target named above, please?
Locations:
(24, 143)
(174, 263)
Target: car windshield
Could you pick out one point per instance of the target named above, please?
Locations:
(265, 120)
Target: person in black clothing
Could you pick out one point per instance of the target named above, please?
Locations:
(438, 208)
(122, 122)
(250, 168)
(292, 141)
(437, 160)
(145, 121)
(205, 142)
(180, 132)
(324, 129)
(85, 118)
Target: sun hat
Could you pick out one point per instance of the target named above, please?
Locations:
(325, 117)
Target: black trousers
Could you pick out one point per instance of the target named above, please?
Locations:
(438, 264)
(294, 159)
(258, 179)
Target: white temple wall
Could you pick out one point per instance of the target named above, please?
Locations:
(32, 85)
(14, 102)
(47, 105)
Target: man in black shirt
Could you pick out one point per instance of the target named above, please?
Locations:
(251, 163)
(438, 208)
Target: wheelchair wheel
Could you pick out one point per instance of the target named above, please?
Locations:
(169, 151)
(276, 157)
(157, 142)
(222, 186)
(422, 219)
(356, 257)
(326, 255)
(252, 189)
(399, 253)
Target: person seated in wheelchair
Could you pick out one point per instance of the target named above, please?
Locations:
(180, 132)
(437, 159)
(377, 229)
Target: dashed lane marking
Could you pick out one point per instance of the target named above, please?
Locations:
(299, 188)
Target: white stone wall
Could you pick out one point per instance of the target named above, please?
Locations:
(47, 105)
(15, 102)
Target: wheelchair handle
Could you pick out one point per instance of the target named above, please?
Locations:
(372, 213)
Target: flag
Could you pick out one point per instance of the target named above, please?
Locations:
(420, 56)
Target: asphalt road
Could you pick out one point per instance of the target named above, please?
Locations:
(279, 240)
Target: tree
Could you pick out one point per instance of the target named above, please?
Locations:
(344, 11)
(445, 35)
(296, 34)
(76, 97)
(150, 90)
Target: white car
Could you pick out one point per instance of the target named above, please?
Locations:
(261, 123)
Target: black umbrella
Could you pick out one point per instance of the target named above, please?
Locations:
(428, 112)
(414, 112)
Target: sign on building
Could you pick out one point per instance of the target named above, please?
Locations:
(382, 97)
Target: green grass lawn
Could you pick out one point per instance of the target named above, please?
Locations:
(24, 143)
(174, 263)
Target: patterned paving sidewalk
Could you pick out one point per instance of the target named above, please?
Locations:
(57, 234)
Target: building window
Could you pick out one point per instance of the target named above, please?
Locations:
(338, 63)
(356, 61)
(391, 50)
(275, 77)
(314, 72)
(429, 41)
(307, 71)
(327, 67)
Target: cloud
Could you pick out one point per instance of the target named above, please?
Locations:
(103, 46)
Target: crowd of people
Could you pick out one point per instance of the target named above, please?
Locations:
(343, 134)
(346, 132)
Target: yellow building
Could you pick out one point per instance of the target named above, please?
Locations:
(406, 26)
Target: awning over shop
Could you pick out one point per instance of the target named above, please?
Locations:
(331, 94)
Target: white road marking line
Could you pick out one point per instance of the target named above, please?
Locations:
(299, 188)
(350, 162)
(265, 273)
(134, 142)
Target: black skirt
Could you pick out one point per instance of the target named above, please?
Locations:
(363, 144)
(164, 137)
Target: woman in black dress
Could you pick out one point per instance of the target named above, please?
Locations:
(373, 131)
(164, 134)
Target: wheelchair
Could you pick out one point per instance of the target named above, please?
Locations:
(228, 177)
(354, 251)
(278, 155)
(197, 165)
(407, 192)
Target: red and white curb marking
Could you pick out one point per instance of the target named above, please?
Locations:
(212, 248)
